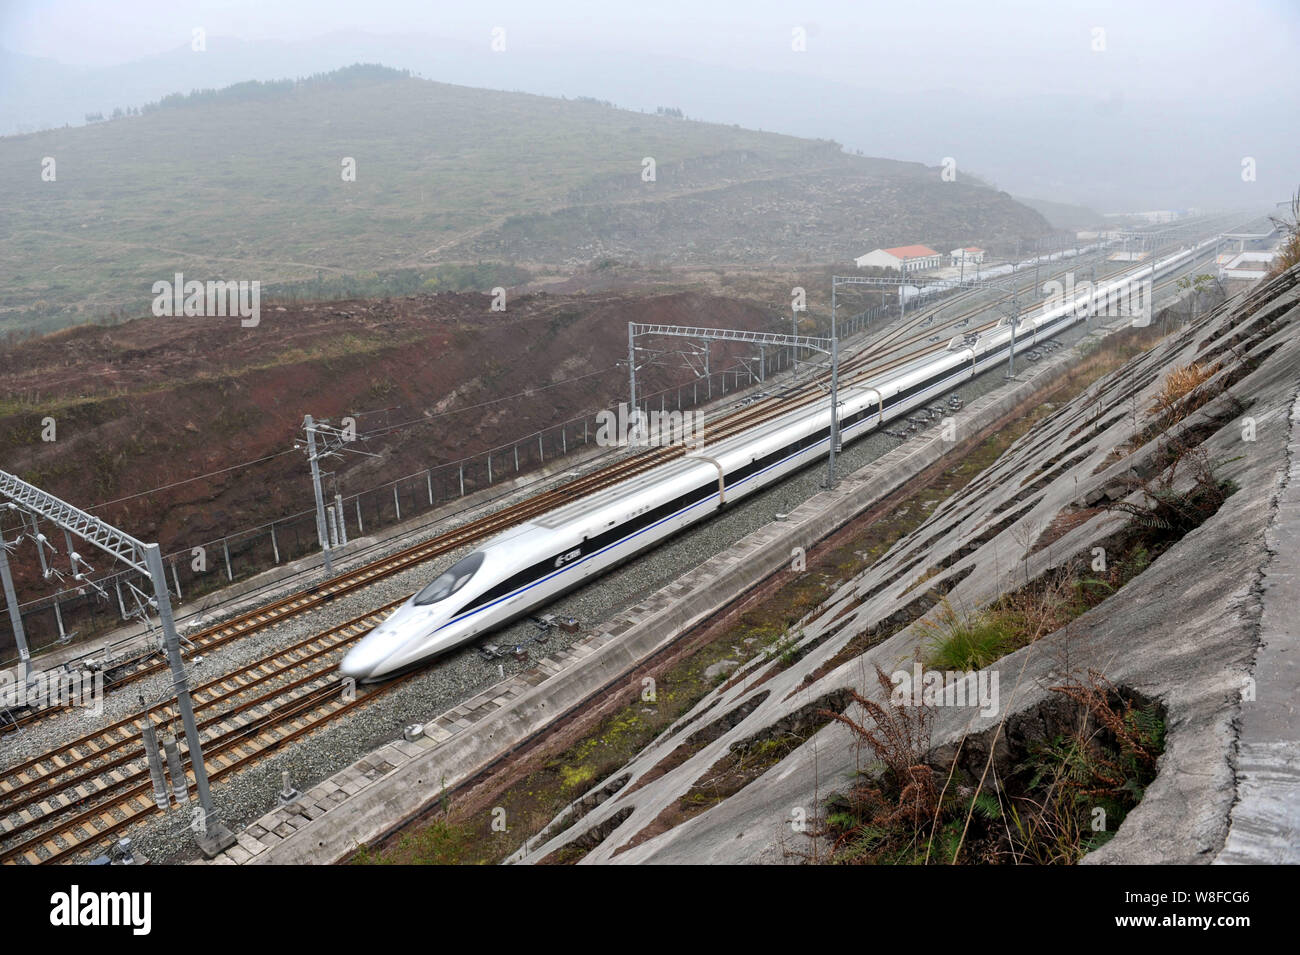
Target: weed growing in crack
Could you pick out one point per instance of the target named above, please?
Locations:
(1064, 796)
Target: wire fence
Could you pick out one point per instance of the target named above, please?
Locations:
(197, 570)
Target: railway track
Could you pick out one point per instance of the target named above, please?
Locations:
(76, 796)
(65, 802)
(278, 611)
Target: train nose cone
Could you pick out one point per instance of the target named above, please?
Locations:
(364, 661)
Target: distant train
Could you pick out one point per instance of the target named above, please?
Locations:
(535, 562)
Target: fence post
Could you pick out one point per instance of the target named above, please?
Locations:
(397, 504)
(225, 549)
(462, 479)
(361, 528)
(428, 479)
(275, 547)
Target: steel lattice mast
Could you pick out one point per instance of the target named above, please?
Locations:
(212, 835)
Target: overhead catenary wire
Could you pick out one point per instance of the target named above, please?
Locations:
(376, 433)
(540, 479)
(732, 368)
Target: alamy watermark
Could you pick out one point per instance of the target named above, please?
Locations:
(918, 687)
(209, 299)
(78, 907)
(80, 688)
(1131, 300)
(632, 427)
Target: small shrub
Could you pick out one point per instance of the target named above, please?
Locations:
(1288, 251)
(899, 739)
(1045, 811)
(971, 643)
(1094, 774)
(1170, 511)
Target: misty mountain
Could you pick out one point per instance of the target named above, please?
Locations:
(1109, 150)
(376, 181)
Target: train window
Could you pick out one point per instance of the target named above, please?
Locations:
(450, 581)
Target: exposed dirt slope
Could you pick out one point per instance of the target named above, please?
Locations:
(154, 401)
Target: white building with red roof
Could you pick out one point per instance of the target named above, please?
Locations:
(903, 258)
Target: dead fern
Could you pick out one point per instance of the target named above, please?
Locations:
(899, 739)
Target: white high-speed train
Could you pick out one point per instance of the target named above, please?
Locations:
(534, 562)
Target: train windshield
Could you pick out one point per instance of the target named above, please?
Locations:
(450, 581)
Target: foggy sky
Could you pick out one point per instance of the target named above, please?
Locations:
(1181, 72)
(1161, 48)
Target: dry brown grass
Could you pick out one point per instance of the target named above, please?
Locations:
(1170, 402)
(1106, 762)
(909, 810)
(1288, 253)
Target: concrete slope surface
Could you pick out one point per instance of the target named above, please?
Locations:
(1206, 630)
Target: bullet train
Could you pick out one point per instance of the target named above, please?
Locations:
(536, 561)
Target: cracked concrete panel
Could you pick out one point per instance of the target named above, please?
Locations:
(1266, 819)
(1188, 632)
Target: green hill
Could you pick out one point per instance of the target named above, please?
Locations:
(246, 183)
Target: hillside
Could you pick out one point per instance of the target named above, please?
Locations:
(155, 402)
(247, 184)
(1123, 572)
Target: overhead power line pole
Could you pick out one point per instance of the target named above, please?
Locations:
(633, 417)
(835, 410)
(15, 617)
(211, 835)
(794, 333)
(324, 441)
(310, 426)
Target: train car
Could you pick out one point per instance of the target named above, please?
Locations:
(535, 562)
